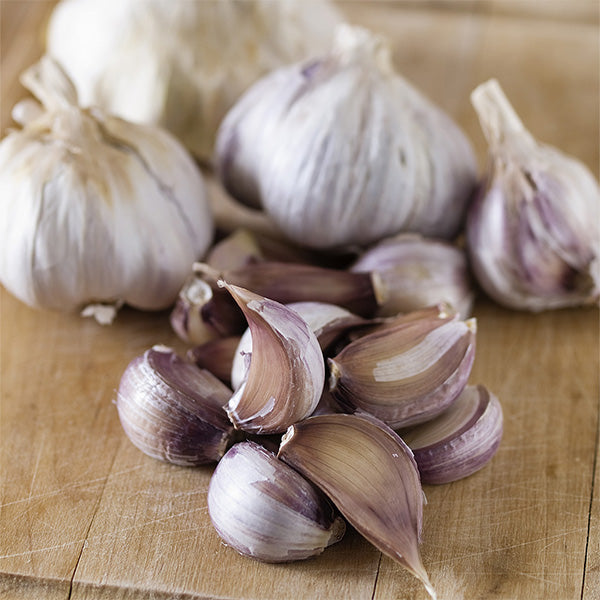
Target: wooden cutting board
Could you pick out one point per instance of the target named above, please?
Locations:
(85, 515)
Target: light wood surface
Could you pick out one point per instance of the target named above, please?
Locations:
(85, 515)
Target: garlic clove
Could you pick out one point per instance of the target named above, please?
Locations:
(407, 373)
(287, 370)
(216, 356)
(203, 312)
(327, 321)
(533, 231)
(360, 153)
(172, 410)
(264, 509)
(237, 250)
(419, 272)
(360, 293)
(370, 475)
(459, 441)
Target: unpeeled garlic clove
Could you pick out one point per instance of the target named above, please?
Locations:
(405, 373)
(360, 293)
(264, 509)
(459, 441)
(203, 312)
(287, 369)
(172, 410)
(533, 231)
(370, 475)
(418, 272)
(327, 321)
(234, 251)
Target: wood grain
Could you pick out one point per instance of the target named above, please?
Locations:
(84, 515)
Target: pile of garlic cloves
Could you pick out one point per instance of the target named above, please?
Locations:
(317, 412)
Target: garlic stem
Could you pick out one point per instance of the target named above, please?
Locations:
(48, 82)
(498, 118)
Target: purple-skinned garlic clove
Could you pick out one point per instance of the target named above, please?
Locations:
(264, 509)
(370, 475)
(172, 410)
(286, 372)
(459, 441)
(408, 371)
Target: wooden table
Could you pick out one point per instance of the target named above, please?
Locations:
(85, 515)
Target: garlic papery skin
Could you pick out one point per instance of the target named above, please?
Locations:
(459, 441)
(93, 209)
(216, 356)
(533, 231)
(164, 61)
(264, 509)
(418, 272)
(172, 410)
(349, 151)
(406, 373)
(203, 312)
(287, 370)
(370, 475)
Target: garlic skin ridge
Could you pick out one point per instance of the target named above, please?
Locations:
(94, 209)
(264, 509)
(371, 156)
(533, 230)
(164, 61)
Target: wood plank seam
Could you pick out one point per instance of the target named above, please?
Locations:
(591, 505)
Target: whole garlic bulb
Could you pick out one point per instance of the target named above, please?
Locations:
(94, 209)
(165, 61)
(533, 232)
(342, 150)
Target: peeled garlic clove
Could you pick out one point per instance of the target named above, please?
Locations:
(533, 232)
(172, 410)
(216, 356)
(459, 441)
(264, 509)
(287, 370)
(418, 272)
(203, 312)
(360, 153)
(166, 63)
(95, 210)
(360, 293)
(370, 475)
(408, 373)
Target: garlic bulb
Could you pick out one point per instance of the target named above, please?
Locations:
(341, 150)
(533, 232)
(418, 272)
(264, 509)
(94, 209)
(165, 61)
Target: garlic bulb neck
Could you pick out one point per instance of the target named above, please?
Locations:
(499, 120)
(354, 44)
(48, 82)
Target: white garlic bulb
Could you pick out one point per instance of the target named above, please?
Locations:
(533, 231)
(178, 63)
(94, 209)
(342, 150)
